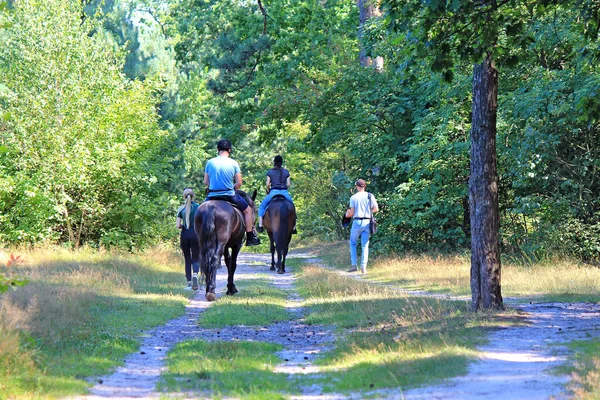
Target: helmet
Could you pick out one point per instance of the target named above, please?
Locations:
(224, 144)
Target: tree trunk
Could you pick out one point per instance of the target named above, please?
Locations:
(483, 190)
(368, 9)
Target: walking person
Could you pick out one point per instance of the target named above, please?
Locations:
(222, 177)
(278, 183)
(362, 207)
(188, 241)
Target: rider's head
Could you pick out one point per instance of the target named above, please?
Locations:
(188, 192)
(224, 145)
(277, 161)
(360, 183)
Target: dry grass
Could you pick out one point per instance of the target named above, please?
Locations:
(80, 312)
(557, 279)
(586, 383)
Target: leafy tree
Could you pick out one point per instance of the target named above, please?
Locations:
(84, 159)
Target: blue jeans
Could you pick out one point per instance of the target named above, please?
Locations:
(262, 209)
(360, 228)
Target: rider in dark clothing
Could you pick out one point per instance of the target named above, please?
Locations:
(188, 241)
(278, 182)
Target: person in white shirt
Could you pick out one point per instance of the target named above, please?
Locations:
(362, 207)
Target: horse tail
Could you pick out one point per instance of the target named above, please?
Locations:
(208, 246)
(282, 234)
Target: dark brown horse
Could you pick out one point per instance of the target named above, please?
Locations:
(221, 231)
(279, 221)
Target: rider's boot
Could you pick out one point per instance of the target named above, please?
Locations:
(252, 239)
(260, 228)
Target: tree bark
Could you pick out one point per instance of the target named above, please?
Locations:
(368, 9)
(483, 190)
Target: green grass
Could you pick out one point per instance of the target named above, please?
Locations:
(387, 339)
(258, 302)
(80, 314)
(233, 369)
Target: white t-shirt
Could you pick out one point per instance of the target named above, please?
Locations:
(360, 202)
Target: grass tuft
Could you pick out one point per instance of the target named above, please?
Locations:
(257, 303)
(233, 369)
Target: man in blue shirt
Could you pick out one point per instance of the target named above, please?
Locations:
(222, 177)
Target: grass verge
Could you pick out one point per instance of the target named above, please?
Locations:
(80, 314)
(557, 280)
(257, 303)
(233, 369)
(585, 369)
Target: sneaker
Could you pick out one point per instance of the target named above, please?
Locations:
(195, 282)
(353, 269)
(252, 239)
(294, 231)
(189, 286)
(260, 229)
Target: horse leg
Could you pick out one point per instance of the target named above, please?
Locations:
(285, 251)
(280, 269)
(231, 266)
(272, 251)
(227, 255)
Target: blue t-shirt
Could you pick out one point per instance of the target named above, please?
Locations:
(221, 172)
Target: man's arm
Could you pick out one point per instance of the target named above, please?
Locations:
(288, 182)
(238, 181)
(268, 184)
(374, 205)
(350, 212)
(206, 180)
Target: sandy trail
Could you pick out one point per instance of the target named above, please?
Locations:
(514, 365)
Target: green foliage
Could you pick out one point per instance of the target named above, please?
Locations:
(84, 159)
(127, 99)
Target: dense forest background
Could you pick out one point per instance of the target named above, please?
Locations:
(108, 109)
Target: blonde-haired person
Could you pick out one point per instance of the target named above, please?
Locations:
(188, 241)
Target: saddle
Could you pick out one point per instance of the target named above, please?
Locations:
(225, 198)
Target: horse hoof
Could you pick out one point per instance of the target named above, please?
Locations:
(232, 292)
(272, 268)
(280, 271)
(210, 296)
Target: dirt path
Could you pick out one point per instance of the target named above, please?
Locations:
(513, 366)
(301, 343)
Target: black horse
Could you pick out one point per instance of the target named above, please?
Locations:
(279, 221)
(221, 231)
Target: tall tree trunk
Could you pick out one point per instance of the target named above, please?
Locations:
(368, 9)
(483, 190)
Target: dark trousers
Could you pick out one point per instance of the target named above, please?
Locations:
(191, 252)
